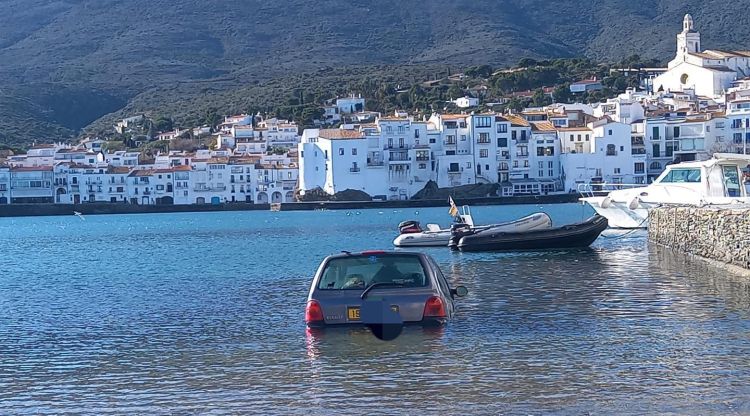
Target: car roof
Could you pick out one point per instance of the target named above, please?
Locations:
(379, 253)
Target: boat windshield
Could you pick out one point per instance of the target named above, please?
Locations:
(358, 272)
(682, 175)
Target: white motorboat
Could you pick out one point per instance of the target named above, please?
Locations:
(717, 181)
(412, 234)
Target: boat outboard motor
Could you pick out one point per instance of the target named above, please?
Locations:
(458, 231)
(409, 227)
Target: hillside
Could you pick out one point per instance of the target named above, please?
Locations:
(66, 63)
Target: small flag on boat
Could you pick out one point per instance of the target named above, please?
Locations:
(454, 210)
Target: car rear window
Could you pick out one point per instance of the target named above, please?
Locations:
(358, 272)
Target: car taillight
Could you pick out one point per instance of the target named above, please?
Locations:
(434, 308)
(313, 312)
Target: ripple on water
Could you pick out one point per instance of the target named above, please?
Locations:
(202, 313)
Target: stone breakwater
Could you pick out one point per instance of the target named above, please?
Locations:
(720, 234)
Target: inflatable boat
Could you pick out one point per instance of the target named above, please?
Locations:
(568, 236)
(412, 235)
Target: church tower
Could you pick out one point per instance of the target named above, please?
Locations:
(689, 41)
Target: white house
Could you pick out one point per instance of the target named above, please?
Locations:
(350, 105)
(31, 184)
(466, 102)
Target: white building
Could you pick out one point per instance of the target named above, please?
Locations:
(350, 105)
(466, 102)
(4, 185)
(31, 184)
(708, 73)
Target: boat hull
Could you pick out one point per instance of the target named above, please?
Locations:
(569, 236)
(618, 214)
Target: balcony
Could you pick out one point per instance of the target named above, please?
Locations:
(220, 188)
(396, 147)
(423, 158)
(637, 151)
(522, 155)
(375, 163)
(354, 170)
(611, 153)
(449, 142)
(146, 192)
(455, 171)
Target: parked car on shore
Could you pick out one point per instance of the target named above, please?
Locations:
(411, 284)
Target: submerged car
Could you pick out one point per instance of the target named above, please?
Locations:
(410, 284)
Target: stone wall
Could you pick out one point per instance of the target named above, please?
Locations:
(721, 234)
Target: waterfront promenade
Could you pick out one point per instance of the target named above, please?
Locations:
(21, 210)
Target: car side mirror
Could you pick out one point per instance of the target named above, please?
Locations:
(460, 291)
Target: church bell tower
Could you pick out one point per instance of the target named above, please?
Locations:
(689, 40)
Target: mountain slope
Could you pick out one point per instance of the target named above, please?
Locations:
(65, 63)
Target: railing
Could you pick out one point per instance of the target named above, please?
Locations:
(612, 153)
(590, 189)
(396, 147)
(376, 163)
(354, 170)
(522, 154)
(454, 171)
(400, 159)
(423, 158)
(638, 151)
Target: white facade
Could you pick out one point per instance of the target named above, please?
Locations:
(350, 105)
(709, 73)
(4, 185)
(466, 102)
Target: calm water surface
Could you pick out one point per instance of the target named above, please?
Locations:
(203, 313)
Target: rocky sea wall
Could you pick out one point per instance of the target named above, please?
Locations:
(719, 234)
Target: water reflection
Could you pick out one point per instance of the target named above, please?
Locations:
(216, 326)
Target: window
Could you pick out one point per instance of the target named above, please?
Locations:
(656, 150)
(611, 150)
(541, 165)
(540, 151)
(354, 152)
(571, 138)
(587, 137)
(483, 122)
(639, 168)
(609, 133)
(159, 187)
(483, 138)
(655, 166)
(549, 151)
(617, 171)
(468, 165)
(515, 163)
(463, 137)
(676, 132)
(416, 134)
(541, 173)
(422, 166)
(513, 135)
(682, 176)
(655, 133)
(502, 142)
(502, 128)
(462, 124)
(483, 153)
(326, 154)
(432, 141)
(622, 148)
(551, 172)
(454, 168)
(341, 151)
(550, 164)
(526, 163)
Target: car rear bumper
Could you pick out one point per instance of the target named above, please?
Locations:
(428, 322)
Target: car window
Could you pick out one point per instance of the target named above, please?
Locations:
(358, 272)
(441, 280)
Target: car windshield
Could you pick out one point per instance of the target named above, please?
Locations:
(358, 272)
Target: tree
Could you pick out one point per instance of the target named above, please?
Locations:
(515, 104)
(527, 63)
(310, 114)
(163, 124)
(539, 99)
(562, 93)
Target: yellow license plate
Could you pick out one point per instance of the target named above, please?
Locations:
(353, 313)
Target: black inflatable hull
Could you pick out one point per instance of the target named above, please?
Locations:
(569, 236)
